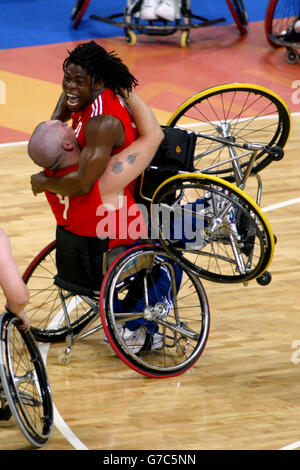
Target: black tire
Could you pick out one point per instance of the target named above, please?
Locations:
(239, 14)
(78, 11)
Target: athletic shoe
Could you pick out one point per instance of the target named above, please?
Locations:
(134, 340)
(147, 11)
(166, 10)
(153, 342)
(139, 339)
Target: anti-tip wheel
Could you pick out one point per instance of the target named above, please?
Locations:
(264, 279)
(64, 358)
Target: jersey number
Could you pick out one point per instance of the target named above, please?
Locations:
(65, 201)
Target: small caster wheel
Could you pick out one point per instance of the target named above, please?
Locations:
(64, 358)
(131, 37)
(184, 38)
(264, 279)
(5, 413)
(277, 153)
(275, 239)
(291, 57)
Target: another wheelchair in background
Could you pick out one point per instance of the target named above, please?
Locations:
(24, 387)
(282, 27)
(156, 18)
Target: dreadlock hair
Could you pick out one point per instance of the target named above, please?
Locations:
(102, 65)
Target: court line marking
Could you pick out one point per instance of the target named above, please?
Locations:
(293, 446)
(11, 144)
(59, 422)
(279, 205)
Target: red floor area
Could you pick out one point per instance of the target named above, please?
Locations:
(167, 73)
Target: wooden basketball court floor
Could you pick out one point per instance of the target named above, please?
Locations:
(244, 392)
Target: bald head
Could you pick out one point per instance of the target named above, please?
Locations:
(53, 145)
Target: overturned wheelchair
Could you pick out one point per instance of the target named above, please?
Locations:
(24, 388)
(149, 297)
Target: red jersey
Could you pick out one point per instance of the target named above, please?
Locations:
(106, 103)
(85, 214)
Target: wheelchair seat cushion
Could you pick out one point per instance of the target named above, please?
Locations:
(175, 153)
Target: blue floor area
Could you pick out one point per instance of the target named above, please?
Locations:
(36, 22)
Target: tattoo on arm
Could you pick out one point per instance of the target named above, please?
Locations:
(131, 158)
(117, 167)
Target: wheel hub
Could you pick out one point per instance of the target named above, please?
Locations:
(159, 310)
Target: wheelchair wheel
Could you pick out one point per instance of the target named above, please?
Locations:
(279, 20)
(145, 287)
(25, 382)
(78, 11)
(239, 14)
(213, 228)
(47, 302)
(241, 112)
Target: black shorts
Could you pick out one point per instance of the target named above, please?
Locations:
(79, 261)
